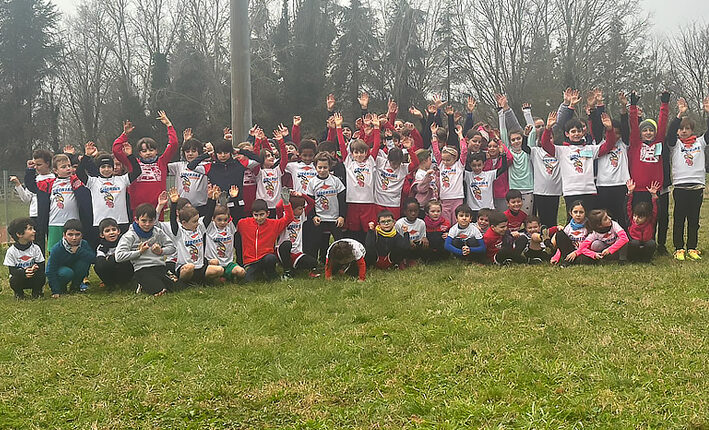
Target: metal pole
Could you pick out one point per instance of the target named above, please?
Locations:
(240, 70)
(4, 188)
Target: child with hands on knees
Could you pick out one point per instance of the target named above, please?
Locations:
(567, 239)
(108, 270)
(24, 259)
(145, 247)
(641, 219)
(464, 240)
(69, 261)
(385, 247)
(416, 228)
(502, 246)
(290, 242)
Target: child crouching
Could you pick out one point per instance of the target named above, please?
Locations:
(69, 261)
(24, 259)
(464, 240)
(106, 267)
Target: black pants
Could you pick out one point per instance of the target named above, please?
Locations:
(21, 283)
(688, 204)
(304, 262)
(112, 273)
(564, 245)
(613, 200)
(436, 247)
(641, 251)
(322, 234)
(512, 251)
(153, 279)
(547, 209)
(266, 266)
(590, 202)
(537, 253)
(470, 242)
(381, 249)
(663, 213)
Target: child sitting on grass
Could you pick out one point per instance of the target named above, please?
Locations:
(503, 247)
(464, 240)
(145, 247)
(219, 239)
(24, 259)
(516, 217)
(106, 267)
(607, 240)
(340, 256)
(641, 219)
(416, 228)
(436, 230)
(69, 261)
(567, 239)
(536, 252)
(290, 242)
(385, 247)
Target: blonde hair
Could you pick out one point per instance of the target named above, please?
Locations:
(59, 158)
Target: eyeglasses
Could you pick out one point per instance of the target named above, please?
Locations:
(386, 221)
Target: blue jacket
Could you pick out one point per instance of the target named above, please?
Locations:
(60, 257)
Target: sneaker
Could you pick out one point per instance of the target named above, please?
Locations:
(56, 296)
(139, 289)
(19, 296)
(83, 288)
(172, 276)
(679, 255)
(694, 255)
(160, 293)
(535, 260)
(286, 276)
(507, 262)
(314, 275)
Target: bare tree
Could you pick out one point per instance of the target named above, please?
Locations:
(688, 53)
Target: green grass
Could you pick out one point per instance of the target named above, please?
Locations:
(444, 346)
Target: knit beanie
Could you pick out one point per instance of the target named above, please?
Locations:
(648, 123)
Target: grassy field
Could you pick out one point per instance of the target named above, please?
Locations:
(444, 346)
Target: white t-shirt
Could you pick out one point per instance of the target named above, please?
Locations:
(576, 162)
(608, 238)
(688, 162)
(294, 234)
(416, 229)
(108, 198)
(301, 174)
(360, 180)
(324, 192)
(190, 246)
(547, 173)
(15, 257)
(165, 227)
(190, 184)
(26, 195)
(471, 231)
(358, 248)
(576, 236)
(613, 167)
(269, 185)
(62, 202)
(451, 181)
(220, 243)
(389, 183)
(480, 192)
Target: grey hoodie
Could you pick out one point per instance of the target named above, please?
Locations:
(128, 245)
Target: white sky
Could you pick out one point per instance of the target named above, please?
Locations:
(667, 15)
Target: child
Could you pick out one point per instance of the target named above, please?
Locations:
(576, 158)
(192, 266)
(606, 239)
(269, 175)
(385, 247)
(515, 216)
(329, 196)
(290, 242)
(190, 184)
(303, 170)
(106, 267)
(479, 183)
(145, 246)
(258, 238)
(520, 175)
(436, 230)
(483, 222)
(423, 187)
(567, 239)
(24, 259)
(42, 163)
(464, 240)
(502, 246)
(451, 167)
(546, 173)
(108, 192)
(248, 191)
(219, 238)
(688, 178)
(360, 166)
(69, 261)
(416, 228)
(641, 220)
(153, 177)
(390, 177)
(496, 152)
(57, 201)
(340, 256)
(536, 252)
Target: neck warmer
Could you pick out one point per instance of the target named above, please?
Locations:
(576, 226)
(381, 232)
(22, 247)
(151, 160)
(689, 141)
(67, 246)
(433, 225)
(142, 234)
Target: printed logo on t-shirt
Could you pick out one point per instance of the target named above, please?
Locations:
(446, 175)
(221, 250)
(613, 157)
(58, 193)
(577, 160)
(193, 243)
(647, 154)
(304, 175)
(359, 175)
(269, 180)
(107, 190)
(150, 173)
(25, 262)
(293, 231)
(688, 152)
(550, 164)
(387, 175)
(477, 185)
(187, 178)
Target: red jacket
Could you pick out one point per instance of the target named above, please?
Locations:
(257, 241)
(645, 168)
(645, 231)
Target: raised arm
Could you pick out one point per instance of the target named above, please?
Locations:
(664, 116)
(611, 139)
(340, 136)
(173, 145)
(117, 148)
(635, 138)
(547, 139)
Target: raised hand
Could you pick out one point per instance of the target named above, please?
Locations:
(68, 149)
(162, 116)
(90, 149)
(371, 225)
(528, 129)
(297, 120)
(30, 164)
(431, 108)
(337, 119)
(252, 130)
(575, 97)
(599, 96)
(526, 106)
(363, 100)
(634, 98)
(209, 148)
(470, 104)
(173, 194)
(415, 112)
(127, 149)
(434, 128)
(501, 101)
(392, 107)
(630, 185)
(607, 122)
(682, 106)
(330, 102)
(14, 180)
(449, 110)
(654, 188)
(438, 101)
(234, 192)
(162, 199)
(551, 119)
(622, 98)
(376, 121)
(128, 127)
(459, 131)
(186, 134)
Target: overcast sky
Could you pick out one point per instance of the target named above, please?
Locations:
(667, 15)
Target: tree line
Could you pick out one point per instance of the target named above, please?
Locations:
(67, 79)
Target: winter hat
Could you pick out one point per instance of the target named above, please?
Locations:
(648, 123)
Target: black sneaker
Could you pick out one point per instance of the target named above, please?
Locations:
(535, 260)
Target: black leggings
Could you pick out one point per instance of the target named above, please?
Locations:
(436, 247)
(564, 245)
(112, 273)
(266, 266)
(303, 262)
(663, 213)
(688, 204)
(153, 279)
(641, 251)
(382, 249)
(321, 234)
(547, 209)
(512, 250)
(35, 283)
(613, 199)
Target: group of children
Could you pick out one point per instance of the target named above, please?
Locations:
(382, 193)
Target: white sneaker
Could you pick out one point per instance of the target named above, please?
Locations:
(139, 289)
